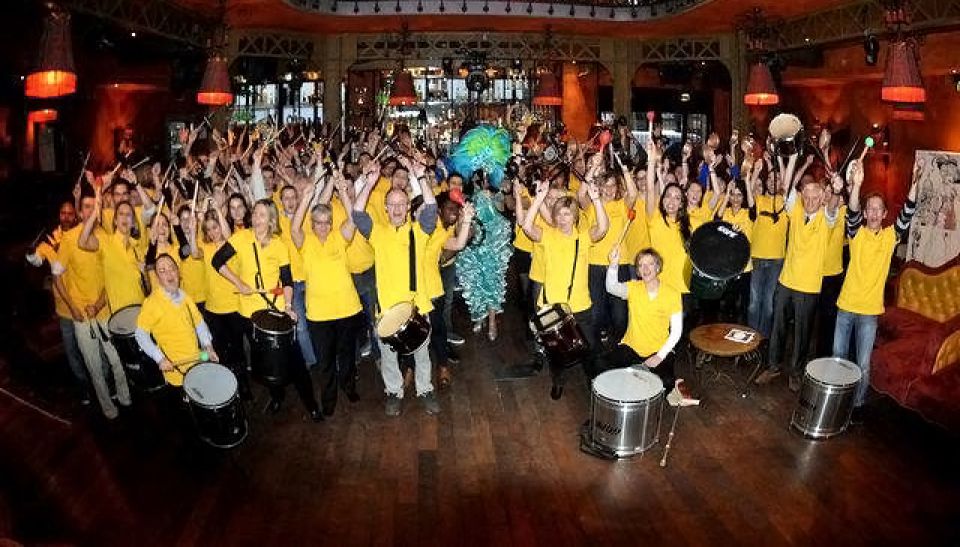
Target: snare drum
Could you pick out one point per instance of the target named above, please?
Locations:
(559, 335)
(404, 328)
(272, 341)
(827, 397)
(625, 411)
(718, 253)
(217, 411)
(141, 370)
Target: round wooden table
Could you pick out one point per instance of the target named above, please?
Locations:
(718, 341)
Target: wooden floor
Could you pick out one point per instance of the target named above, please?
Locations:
(500, 466)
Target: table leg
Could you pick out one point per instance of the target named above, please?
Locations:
(758, 356)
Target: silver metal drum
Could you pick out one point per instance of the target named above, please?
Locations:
(625, 411)
(826, 398)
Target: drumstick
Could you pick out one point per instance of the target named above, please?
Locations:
(673, 428)
(631, 214)
(273, 292)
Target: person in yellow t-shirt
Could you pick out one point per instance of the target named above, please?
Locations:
(46, 250)
(262, 263)
(221, 312)
(399, 281)
(332, 306)
(833, 268)
(861, 297)
(799, 284)
(79, 282)
(119, 257)
(768, 247)
(656, 318)
(566, 250)
(193, 274)
(669, 227)
(170, 329)
(289, 198)
(738, 208)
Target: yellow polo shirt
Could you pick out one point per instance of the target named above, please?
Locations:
(833, 254)
(769, 238)
(331, 293)
(121, 270)
(648, 324)
(435, 244)
(741, 220)
(47, 250)
(221, 294)
(870, 254)
(558, 257)
(359, 251)
(638, 235)
(391, 249)
(807, 245)
(617, 217)
(296, 262)
(83, 272)
(666, 239)
(173, 327)
(272, 257)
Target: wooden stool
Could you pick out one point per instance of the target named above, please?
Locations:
(713, 342)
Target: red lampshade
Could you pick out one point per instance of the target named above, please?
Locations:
(54, 75)
(403, 93)
(548, 91)
(902, 82)
(42, 116)
(760, 88)
(215, 88)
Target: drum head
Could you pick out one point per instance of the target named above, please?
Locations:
(834, 371)
(210, 384)
(124, 320)
(272, 322)
(394, 318)
(627, 384)
(718, 251)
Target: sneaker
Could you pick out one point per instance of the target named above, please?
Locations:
(430, 404)
(767, 376)
(455, 339)
(794, 383)
(393, 405)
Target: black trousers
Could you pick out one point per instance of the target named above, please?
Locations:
(736, 299)
(438, 331)
(296, 372)
(334, 342)
(801, 306)
(227, 330)
(827, 313)
(624, 356)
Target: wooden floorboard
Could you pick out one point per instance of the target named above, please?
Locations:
(500, 466)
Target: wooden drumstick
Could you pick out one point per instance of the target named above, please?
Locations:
(867, 145)
(631, 215)
(673, 428)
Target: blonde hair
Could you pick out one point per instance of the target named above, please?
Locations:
(273, 216)
(566, 202)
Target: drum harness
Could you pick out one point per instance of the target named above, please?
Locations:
(258, 281)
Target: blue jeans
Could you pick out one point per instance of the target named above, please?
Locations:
(609, 311)
(74, 358)
(303, 331)
(763, 283)
(366, 285)
(864, 329)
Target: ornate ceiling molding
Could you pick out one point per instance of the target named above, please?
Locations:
(156, 16)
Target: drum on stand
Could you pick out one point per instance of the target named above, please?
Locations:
(719, 253)
(827, 396)
(215, 405)
(625, 412)
(403, 328)
(141, 370)
(272, 341)
(559, 335)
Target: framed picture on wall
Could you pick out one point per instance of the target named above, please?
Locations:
(935, 231)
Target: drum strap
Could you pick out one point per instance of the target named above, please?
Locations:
(413, 261)
(573, 274)
(258, 280)
(193, 324)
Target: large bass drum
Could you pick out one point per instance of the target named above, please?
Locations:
(625, 412)
(718, 253)
(141, 370)
(273, 341)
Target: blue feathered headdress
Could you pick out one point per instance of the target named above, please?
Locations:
(483, 148)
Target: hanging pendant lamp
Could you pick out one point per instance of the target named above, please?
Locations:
(902, 82)
(403, 92)
(215, 88)
(548, 91)
(55, 75)
(761, 90)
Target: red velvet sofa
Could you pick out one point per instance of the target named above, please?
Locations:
(917, 357)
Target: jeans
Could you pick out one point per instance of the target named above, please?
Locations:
(827, 313)
(366, 285)
(74, 357)
(609, 311)
(864, 329)
(801, 305)
(390, 370)
(91, 339)
(303, 332)
(334, 341)
(763, 284)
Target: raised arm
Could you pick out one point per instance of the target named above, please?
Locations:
(631, 192)
(529, 225)
(463, 229)
(296, 224)
(88, 239)
(347, 227)
(651, 194)
(598, 230)
(612, 281)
